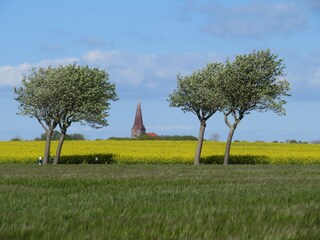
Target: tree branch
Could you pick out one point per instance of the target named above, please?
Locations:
(210, 114)
(198, 115)
(226, 120)
(41, 123)
(236, 119)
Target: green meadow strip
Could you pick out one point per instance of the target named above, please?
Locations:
(159, 201)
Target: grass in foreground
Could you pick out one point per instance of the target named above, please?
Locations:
(159, 202)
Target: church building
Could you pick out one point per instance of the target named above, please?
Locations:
(138, 128)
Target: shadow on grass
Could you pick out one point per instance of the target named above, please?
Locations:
(236, 159)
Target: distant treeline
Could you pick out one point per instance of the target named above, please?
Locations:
(56, 136)
(163, 137)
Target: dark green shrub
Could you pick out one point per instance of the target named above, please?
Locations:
(88, 159)
(236, 159)
(16, 139)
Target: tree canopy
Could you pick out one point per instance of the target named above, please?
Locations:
(85, 97)
(37, 97)
(252, 83)
(198, 93)
(64, 95)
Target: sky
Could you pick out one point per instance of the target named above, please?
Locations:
(144, 44)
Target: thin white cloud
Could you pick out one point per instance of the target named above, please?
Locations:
(51, 48)
(125, 68)
(149, 70)
(143, 74)
(58, 32)
(144, 37)
(254, 19)
(57, 62)
(315, 4)
(12, 75)
(304, 76)
(94, 42)
(314, 78)
(155, 75)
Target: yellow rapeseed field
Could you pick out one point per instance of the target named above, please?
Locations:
(163, 151)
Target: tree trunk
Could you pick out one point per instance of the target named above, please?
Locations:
(200, 142)
(46, 155)
(59, 148)
(228, 145)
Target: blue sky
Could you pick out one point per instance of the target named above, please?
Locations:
(144, 44)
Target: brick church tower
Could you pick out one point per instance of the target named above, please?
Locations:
(138, 127)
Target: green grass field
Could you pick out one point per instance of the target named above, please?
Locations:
(159, 201)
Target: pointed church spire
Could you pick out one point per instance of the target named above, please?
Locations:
(138, 127)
